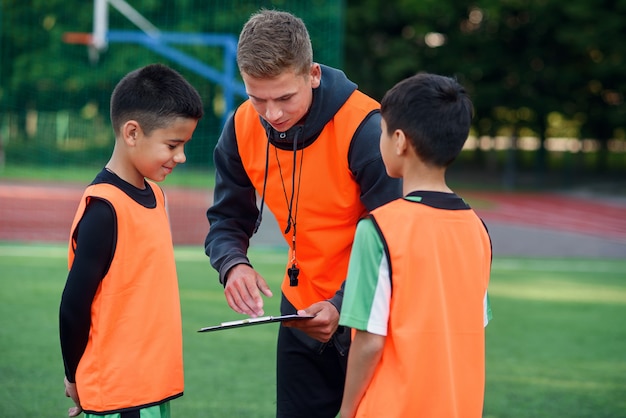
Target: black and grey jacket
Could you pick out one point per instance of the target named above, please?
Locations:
(234, 212)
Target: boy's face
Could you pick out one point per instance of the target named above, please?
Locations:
(154, 156)
(283, 100)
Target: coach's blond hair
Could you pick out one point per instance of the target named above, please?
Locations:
(272, 42)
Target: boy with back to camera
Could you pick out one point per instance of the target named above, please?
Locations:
(306, 143)
(120, 319)
(416, 291)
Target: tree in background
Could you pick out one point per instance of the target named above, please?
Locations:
(521, 60)
(526, 63)
(40, 73)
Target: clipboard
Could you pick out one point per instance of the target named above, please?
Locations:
(255, 321)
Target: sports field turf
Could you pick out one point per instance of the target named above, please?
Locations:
(555, 348)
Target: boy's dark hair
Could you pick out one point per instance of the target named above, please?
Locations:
(434, 112)
(154, 96)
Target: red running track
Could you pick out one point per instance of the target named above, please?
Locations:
(44, 212)
(591, 216)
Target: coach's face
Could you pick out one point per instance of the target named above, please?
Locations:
(285, 99)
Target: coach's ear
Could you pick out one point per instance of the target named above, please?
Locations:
(130, 131)
(315, 75)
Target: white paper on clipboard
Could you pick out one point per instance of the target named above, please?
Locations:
(255, 321)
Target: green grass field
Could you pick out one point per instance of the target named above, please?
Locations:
(555, 348)
(183, 175)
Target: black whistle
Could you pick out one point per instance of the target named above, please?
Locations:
(293, 275)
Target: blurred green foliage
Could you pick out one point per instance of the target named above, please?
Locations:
(541, 69)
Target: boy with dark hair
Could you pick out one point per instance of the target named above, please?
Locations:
(120, 320)
(416, 291)
(306, 143)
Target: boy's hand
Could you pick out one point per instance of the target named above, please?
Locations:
(70, 392)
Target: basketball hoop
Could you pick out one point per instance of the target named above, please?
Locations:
(87, 39)
(97, 41)
(79, 38)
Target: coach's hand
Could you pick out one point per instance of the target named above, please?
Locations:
(243, 290)
(323, 326)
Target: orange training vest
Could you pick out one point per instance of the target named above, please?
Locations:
(433, 361)
(328, 206)
(134, 353)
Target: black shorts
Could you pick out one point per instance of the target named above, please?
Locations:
(310, 375)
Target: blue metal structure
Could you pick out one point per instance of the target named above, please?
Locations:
(161, 44)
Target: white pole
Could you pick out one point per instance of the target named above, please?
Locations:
(100, 24)
(135, 17)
